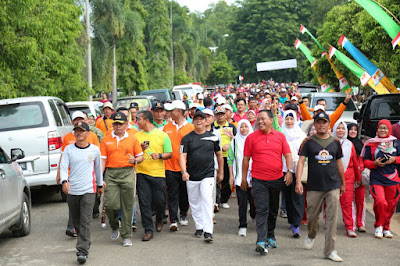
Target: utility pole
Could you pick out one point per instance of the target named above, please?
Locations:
(89, 53)
(172, 49)
(114, 77)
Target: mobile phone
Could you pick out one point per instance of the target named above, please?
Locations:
(384, 158)
(146, 142)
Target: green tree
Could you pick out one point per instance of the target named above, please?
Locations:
(39, 52)
(221, 71)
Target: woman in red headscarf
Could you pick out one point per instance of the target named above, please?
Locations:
(382, 156)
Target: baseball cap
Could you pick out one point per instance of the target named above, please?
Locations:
(82, 125)
(220, 101)
(199, 113)
(77, 114)
(177, 104)
(201, 96)
(228, 107)
(219, 109)
(323, 116)
(208, 112)
(282, 90)
(119, 117)
(292, 106)
(133, 105)
(109, 105)
(319, 107)
(294, 98)
(194, 105)
(157, 105)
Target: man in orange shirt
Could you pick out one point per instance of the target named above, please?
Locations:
(176, 187)
(129, 129)
(105, 123)
(120, 152)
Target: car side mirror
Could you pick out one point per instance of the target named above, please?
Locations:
(356, 116)
(17, 154)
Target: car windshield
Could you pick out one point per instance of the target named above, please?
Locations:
(333, 102)
(22, 116)
(159, 95)
(84, 109)
(142, 102)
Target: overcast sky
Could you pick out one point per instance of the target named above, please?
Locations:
(199, 5)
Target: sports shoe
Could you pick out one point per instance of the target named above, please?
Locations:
(114, 234)
(71, 232)
(184, 221)
(283, 214)
(127, 242)
(198, 233)
(387, 234)
(362, 229)
(350, 233)
(271, 243)
(216, 207)
(81, 258)
(296, 232)
(378, 232)
(208, 237)
(174, 227)
(308, 243)
(242, 231)
(134, 227)
(334, 257)
(225, 206)
(261, 248)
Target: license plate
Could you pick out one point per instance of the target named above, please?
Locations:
(23, 166)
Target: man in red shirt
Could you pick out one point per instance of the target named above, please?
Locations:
(266, 147)
(241, 109)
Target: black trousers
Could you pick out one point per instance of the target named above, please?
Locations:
(244, 197)
(81, 208)
(266, 200)
(294, 203)
(151, 192)
(177, 195)
(225, 187)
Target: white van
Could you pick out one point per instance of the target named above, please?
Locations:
(190, 90)
(36, 125)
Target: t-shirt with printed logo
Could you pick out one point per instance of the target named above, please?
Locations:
(323, 174)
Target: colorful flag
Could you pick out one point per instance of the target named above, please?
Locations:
(358, 71)
(388, 24)
(372, 69)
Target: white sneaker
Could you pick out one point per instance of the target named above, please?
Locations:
(174, 227)
(334, 257)
(308, 243)
(225, 206)
(378, 232)
(242, 231)
(184, 221)
(387, 234)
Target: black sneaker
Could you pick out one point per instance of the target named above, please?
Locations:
(198, 233)
(71, 232)
(208, 237)
(81, 258)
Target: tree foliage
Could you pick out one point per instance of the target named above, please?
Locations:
(221, 71)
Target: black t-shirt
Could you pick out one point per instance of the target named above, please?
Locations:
(322, 154)
(200, 151)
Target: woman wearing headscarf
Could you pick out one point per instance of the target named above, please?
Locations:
(359, 191)
(294, 202)
(352, 175)
(235, 159)
(382, 156)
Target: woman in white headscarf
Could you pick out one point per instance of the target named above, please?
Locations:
(352, 176)
(235, 159)
(294, 202)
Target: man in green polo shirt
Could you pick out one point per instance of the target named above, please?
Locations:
(228, 132)
(158, 112)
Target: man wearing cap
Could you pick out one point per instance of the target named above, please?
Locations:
(325, 182)
(196, 161)
(229, 114)
(192, 110)
(133, 113)
(105, 123)
(294, 100)
(176, 187)
(156, 147)
(158, 112)
(120, 152)
(228, 132)
(77, 116)
(241, 110)
(80, 169)
(283, 97)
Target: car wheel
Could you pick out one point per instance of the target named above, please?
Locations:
(63, 196)
(24, 224)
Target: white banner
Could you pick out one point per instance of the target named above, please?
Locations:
(275, 65)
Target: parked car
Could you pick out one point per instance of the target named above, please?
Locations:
(376, 108)
(162, 94)
(37, 125)
(145, 102)
(93, 107)
(15, 195)
(190, 90)
(333, 100)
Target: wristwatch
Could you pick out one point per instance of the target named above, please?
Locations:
(291, 171)
(65, 181)
(183, 171)
(160, 155)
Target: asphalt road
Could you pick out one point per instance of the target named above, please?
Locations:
(48, 245)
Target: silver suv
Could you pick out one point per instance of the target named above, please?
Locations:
(15, 196)
(37, 125)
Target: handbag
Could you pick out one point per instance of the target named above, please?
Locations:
(365, 176)
(304, 175)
